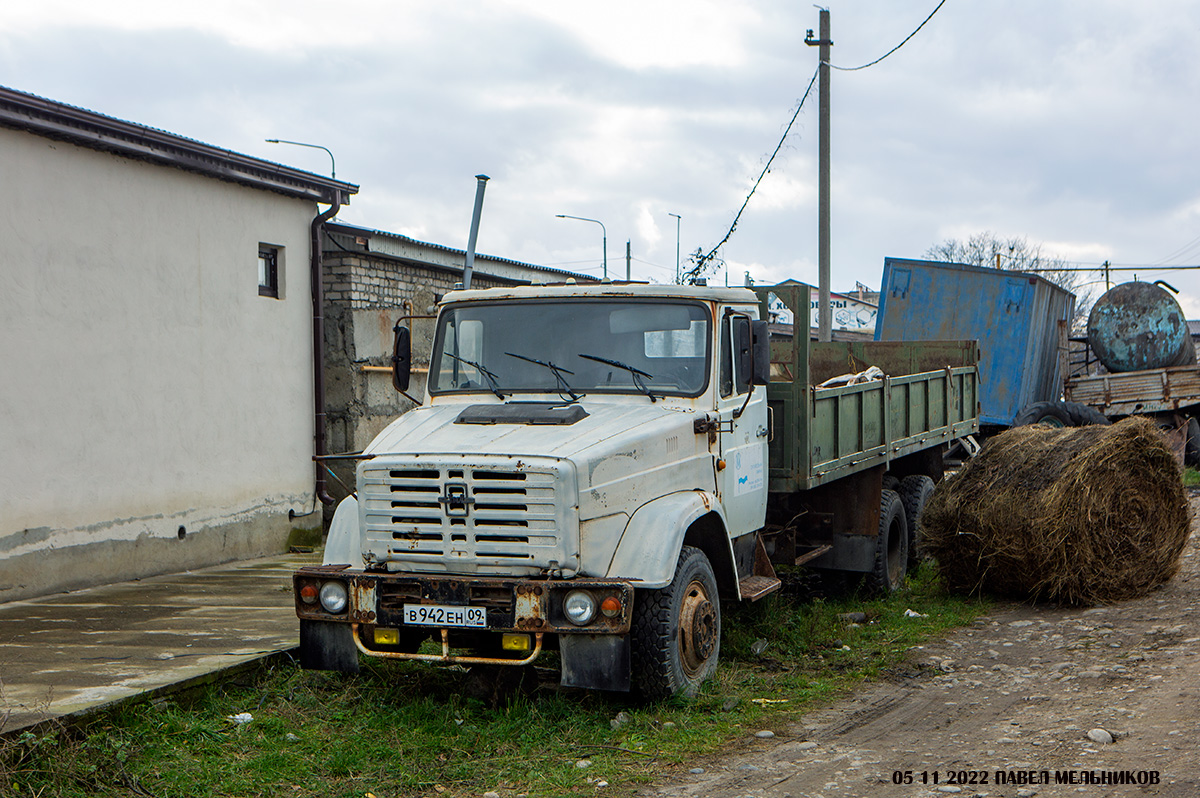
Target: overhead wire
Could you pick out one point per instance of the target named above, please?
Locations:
(1185, 250)
(702, 261)
(894, 49)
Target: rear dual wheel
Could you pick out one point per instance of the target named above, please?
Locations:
(891, 546)
(914, 490)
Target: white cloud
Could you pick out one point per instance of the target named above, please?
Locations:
(1077, 132)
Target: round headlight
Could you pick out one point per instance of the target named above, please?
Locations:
(579, 607)
(333, 597)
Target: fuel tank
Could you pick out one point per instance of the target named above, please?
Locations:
(1137, 326)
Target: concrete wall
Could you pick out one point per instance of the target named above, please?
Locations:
(155, 411)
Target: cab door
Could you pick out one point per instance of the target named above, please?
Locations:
(742, 427)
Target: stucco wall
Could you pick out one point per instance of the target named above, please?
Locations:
(155, 411)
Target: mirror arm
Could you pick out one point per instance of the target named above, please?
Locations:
(738, 413)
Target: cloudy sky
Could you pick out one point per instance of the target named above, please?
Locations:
(1072, 123)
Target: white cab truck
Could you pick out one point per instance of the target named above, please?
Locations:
(599, 468)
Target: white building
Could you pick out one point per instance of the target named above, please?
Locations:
(850, 312)
(156, 350)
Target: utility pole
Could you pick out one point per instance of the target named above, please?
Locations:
(678, 220)
(824, 312)
(628, 262)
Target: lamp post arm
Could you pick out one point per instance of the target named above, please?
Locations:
(332, 162)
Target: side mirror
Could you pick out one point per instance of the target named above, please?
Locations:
(401, 358)
(760, 335)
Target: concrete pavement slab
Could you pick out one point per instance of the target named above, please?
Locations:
(73, 652)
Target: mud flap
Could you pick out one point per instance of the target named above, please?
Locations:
(597, 662)
(327, 646)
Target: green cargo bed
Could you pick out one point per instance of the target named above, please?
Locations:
(928, 396)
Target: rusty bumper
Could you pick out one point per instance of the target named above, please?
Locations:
(531, 607)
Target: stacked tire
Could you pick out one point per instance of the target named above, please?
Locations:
(1060, 414)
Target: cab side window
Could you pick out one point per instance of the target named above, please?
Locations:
(726, 375)
(735, 371)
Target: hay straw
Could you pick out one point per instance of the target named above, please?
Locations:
(1078, 516)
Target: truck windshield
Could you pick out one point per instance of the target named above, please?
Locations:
(539, 346)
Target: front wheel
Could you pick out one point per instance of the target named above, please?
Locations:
(677, 631)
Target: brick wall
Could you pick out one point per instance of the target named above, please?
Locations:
(365, 295)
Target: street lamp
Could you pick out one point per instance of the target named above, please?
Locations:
(332, 164)
(678, 219)
(603, 230)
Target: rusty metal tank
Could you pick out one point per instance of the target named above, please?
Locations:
(1137, 326)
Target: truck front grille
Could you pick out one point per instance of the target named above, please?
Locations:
(461, 519)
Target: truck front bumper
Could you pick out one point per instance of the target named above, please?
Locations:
(380, 609)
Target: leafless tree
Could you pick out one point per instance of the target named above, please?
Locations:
(1017, 254)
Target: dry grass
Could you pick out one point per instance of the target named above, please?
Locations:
(1078, 516)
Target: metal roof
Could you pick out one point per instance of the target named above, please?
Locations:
(610, 290)
(354, 231)
(55, 120)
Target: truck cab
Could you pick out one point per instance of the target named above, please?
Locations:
(587, 476)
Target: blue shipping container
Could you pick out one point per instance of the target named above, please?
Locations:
(1020, 320)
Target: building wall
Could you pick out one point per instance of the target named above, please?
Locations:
(155, 411)
(365, 295)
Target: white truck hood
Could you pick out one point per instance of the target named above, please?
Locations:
(514, 497)
(433, 430)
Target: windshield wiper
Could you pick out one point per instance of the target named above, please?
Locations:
(487, 375)
(558, 372)
(635, 373)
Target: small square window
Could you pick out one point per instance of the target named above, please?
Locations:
(268, 271)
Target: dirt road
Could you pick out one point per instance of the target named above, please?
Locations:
(1021, 703)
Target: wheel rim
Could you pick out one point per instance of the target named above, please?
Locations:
(697, 628)
(1051, 421)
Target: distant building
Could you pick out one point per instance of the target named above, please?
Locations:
(853, 312)
(157, 403)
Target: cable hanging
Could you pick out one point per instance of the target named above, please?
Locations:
(702, 261)
(894, 49)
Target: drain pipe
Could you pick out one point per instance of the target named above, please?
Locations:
(318, 328)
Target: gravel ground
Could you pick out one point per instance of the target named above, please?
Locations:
(1028, 701)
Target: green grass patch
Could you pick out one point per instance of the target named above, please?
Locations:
(1191, 477)
(401, 729)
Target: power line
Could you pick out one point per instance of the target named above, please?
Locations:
(894, 49)
(655, 265)
(1183, 251)
(704, 259)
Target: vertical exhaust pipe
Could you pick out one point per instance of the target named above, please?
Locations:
(470, 266)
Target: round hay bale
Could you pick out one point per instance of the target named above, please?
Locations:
(1078, 516)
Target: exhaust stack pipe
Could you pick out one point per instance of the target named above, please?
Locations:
(470, 265)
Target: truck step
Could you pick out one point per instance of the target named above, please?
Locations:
(752, 588)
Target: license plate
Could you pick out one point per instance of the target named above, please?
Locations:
(442, 615)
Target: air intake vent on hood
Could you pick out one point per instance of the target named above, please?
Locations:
(522, 413)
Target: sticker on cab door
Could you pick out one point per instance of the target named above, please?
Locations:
(747, 471)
